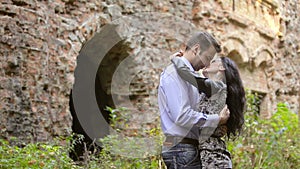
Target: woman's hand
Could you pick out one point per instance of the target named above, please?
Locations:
(177, 54)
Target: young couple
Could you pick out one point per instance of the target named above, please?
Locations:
(196, 111)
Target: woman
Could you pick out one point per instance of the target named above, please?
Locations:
(221, 86)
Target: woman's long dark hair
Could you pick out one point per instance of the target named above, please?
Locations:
(236, 99)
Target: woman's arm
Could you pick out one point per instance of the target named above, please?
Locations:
(185, 73)
(204, 85)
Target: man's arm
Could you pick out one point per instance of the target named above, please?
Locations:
(178, 103)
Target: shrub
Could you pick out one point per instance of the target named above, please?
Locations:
(264, 144)
(34, 156)
(267, 143)
(123, 151)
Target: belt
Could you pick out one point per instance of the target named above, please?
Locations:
(173, 140)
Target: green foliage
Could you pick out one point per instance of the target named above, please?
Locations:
(140, 151)
(34, 156)
(267, 143)
(121, 151)
(127, 153)
(119, 118)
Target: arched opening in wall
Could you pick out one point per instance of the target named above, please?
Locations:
(236, 57)
(105, 73)
(262, 88)
(252, 80)
(257, 101)
(264, 106)
(103, 79)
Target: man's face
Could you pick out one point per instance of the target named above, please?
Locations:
(203, 58)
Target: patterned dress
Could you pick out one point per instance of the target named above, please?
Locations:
(213, 151)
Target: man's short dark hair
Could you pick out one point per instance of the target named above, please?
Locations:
(205, 40)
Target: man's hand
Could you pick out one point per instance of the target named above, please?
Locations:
(224, 115)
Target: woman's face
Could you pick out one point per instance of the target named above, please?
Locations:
(214, 67)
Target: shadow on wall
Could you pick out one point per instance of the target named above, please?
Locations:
(79, 148)
(96, 64)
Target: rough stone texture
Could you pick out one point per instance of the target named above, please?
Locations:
(39, 44)
(40, 41)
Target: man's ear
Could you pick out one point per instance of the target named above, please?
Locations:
(196, 48)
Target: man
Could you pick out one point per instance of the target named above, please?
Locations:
(178, 100)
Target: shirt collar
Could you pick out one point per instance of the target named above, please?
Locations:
(187, 63)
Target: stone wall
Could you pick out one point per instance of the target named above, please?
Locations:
(40, 42)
